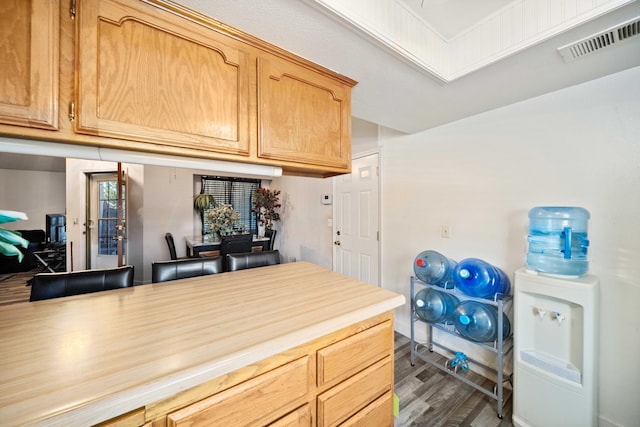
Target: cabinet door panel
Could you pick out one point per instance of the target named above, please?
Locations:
(351, 396)
(29, 55)
(303, 116)
(260, 399)
(147, 75)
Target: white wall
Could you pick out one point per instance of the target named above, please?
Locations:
(35, 193)
(303, 231)
(481, 175)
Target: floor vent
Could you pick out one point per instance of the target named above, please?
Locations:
(609, 37)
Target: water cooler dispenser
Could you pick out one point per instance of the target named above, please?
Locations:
(556, 325)
(555, 350)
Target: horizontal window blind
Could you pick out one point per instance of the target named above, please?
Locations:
(236, 192)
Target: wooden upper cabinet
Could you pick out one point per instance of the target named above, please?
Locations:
(304, 116)
(29, 55)
(145, 74)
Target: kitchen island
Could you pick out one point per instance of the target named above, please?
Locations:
(289, 344)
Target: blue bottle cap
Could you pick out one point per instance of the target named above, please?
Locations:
(464, 273)
(464, 319)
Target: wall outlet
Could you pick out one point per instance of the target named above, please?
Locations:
(446, 231)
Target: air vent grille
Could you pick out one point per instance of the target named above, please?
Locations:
(601, 40)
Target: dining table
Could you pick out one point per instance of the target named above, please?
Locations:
(199, 244)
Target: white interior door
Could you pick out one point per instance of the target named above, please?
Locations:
(356, 231)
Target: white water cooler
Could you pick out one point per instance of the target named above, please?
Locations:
(555, 364)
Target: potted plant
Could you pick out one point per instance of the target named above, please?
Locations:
(265, 204)
(203, 201)
(223, 220)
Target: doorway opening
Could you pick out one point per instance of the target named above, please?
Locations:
(105, 227)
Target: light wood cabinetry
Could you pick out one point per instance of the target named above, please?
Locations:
(263, 399)
(29, 55)
(345, 378)
(154, 76)
(303, 116)
(146, 75)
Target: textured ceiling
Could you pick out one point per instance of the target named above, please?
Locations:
(450, 17)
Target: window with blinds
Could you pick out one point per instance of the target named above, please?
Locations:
(236, 192)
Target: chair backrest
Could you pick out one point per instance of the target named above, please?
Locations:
(163, 271)
(55, 285)
(235, 244)
(271, 234)
(246, 260)
(172, 246)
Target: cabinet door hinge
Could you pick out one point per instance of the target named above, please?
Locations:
(72, 111)
(72, 9)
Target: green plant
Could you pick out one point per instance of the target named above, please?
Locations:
(223, 220)
(203, 201)
(9, 239)
(265, 204)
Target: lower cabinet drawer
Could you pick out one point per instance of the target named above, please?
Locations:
(301, 417)
(379, 413)
(260, 400)
(341, 402)
(344, 358)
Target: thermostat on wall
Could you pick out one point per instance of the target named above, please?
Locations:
(327, 199)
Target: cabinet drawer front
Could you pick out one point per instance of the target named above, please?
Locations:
(349, 397)
(261, 399)
(345, 358)
(377, 414)
(301, 417)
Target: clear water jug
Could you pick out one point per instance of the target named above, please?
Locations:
(557, 240)
(434, 268)
(478, 278)
(435, 306)
(479, 322)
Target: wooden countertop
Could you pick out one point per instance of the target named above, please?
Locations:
(88, 358)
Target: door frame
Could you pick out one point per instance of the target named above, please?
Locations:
(378, 151)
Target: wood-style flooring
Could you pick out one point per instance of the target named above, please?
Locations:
(13, 287)
(428, 396)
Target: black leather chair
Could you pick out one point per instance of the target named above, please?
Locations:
(172, 247)
(163, 271)
(252, 259)
(234, 244)
(271, 234)
(56, 285)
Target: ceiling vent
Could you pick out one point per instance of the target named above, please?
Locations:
(601, 40)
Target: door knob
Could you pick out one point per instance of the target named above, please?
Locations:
(337, 242)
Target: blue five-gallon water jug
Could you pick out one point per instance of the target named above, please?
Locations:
(435, 306)
(479, 322)
(434, 268)
(478, 278)
(558, 240)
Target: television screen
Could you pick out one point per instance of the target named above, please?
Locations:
(56, 229)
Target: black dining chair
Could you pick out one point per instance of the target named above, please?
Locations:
(237, 243)
(172, 247)
(163, 271)
(56, 285)
(271, 234)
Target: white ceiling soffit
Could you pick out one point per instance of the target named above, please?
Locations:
(513, 28)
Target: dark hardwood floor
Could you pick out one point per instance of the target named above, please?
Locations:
(430, 397)
(13, 287)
